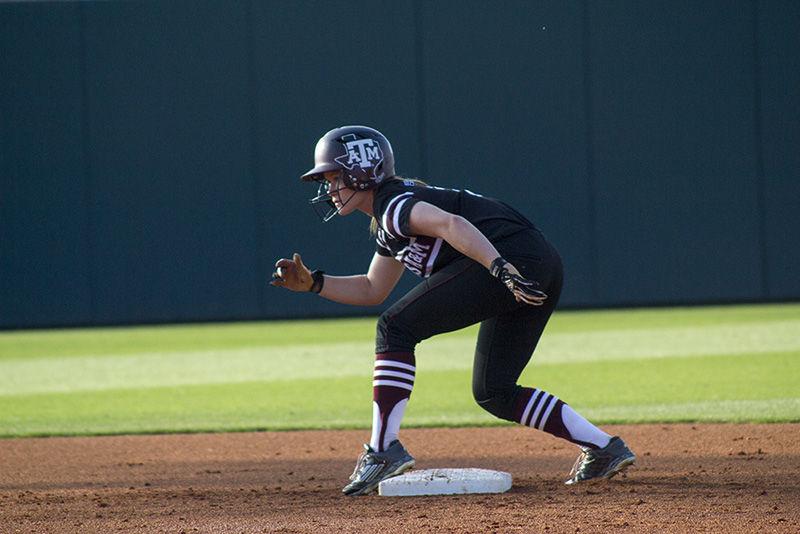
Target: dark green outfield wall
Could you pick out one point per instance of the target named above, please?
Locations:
(149, 151)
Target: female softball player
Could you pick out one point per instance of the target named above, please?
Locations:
(481, 261)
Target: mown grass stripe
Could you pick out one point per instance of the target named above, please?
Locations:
(180, 338)
(99, 372)
(443, 396)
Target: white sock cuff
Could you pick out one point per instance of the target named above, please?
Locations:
(582, 430)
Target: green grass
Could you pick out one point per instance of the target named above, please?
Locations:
(732, 363)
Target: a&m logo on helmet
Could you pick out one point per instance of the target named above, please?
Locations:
(366, 153)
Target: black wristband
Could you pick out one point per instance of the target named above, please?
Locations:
(318, 278)
(496, 268)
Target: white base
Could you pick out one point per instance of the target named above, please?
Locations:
(445, 482)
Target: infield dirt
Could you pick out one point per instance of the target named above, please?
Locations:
(688, 478)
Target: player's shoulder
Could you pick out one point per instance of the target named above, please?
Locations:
(397, 185)
(393, 190)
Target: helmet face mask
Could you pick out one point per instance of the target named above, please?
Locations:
(362, 155)
(323, 204)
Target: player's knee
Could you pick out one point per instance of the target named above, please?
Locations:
(498, 402)
(393, 334)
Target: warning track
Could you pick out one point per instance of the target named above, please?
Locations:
(712, 478)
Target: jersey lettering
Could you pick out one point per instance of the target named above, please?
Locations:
(420, 255)
(415, 255)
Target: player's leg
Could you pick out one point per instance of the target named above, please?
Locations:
(461, 294)
(505, 346)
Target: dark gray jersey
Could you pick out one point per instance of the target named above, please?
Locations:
(424, 255)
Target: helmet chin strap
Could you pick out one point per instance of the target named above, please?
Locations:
(336, 210)
(327, 198)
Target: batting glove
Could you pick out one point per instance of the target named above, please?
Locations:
(524, 290)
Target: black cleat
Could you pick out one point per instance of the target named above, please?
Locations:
(598, 464)
(372, 467)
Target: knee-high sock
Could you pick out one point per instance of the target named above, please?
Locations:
(539, 409)
(392, 383)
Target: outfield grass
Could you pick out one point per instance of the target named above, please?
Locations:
(733, 363)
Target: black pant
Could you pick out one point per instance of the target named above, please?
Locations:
(464, 293)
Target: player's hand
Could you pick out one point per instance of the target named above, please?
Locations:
(292, 274)
(524, 290)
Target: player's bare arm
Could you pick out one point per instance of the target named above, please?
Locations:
(361, 290)
(368, 289)
(427, 219)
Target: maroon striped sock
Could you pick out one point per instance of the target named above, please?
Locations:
(539, 409)
(392, 383)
